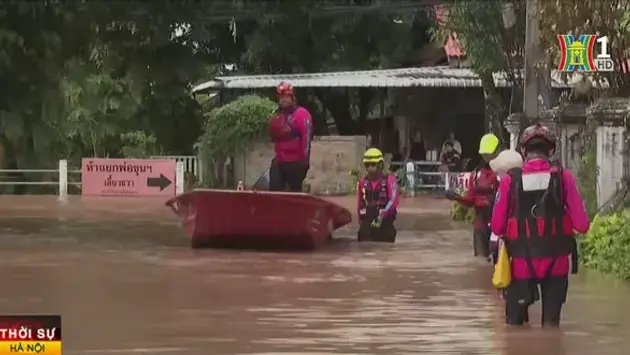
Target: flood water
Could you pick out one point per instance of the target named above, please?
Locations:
(123, 277)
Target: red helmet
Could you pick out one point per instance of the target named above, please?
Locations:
(538, 131)
(284, 89)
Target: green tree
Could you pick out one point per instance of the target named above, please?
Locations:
(302, 41)
(229, 129)
(79, 74)
(610, 18)
(492, 45)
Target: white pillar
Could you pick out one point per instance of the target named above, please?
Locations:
(513, 140)
(200, 170)
(411, 178)
(63, 179)
(179, 178)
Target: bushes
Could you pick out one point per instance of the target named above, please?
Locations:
(460, 212)
(229, 129)
(606, 247)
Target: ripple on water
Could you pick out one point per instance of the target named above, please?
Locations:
(132, 285)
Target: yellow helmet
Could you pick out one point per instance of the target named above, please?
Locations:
(372, 156)
(488, 144)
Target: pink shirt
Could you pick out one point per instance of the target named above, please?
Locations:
(392, 193)
(298, 147)
(574, 206)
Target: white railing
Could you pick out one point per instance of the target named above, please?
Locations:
(418, 176)
(62, 181)
(192, 164)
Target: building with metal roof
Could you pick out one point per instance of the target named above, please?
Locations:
(433, 77)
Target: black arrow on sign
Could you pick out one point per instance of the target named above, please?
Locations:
(162, 182)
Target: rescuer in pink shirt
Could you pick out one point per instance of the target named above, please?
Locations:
(377, 200)
(536, 212)
(291, 131)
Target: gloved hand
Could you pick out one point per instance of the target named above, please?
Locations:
(451, 195)
(379, 219)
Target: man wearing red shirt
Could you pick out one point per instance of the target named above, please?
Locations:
(291, 131)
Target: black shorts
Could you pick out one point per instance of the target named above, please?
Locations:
(287, 176)
(523, 293)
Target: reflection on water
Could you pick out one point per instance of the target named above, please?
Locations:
(125, 281)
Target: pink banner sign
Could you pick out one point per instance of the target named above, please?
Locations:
(127, 177)
(462, 180)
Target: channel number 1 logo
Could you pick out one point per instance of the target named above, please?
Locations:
(580, 55)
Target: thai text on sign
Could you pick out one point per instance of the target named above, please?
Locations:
(128, 177)
(39, 334)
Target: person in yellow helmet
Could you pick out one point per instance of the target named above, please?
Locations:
(377, 200)
(480, 194)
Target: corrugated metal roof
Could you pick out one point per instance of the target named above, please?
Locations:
(387, 78)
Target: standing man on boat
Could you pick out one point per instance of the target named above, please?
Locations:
(291, 131)
(480, 194)
(537, 210)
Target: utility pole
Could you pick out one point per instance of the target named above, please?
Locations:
(532, 58)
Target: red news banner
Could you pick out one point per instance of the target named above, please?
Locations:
(30, 335)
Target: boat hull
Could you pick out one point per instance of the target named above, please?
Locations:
(257, 219)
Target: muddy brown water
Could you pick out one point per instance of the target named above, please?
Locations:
(121, 274)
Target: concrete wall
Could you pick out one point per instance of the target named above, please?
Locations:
(332, 158)
(610, 162)
(570, 146)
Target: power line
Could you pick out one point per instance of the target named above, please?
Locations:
(325, 12)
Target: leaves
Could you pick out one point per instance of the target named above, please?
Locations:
(490, 46)
(76, 76)
(605, 18)
(229, 129)
(606, 247)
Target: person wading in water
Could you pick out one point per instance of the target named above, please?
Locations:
(480, 194)
(537, 210)
(377, 200)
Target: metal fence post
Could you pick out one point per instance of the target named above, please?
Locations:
(410, 171)
(63, 178)
(179, 177)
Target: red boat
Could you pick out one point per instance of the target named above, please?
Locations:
(257, 219)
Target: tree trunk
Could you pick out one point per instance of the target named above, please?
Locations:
(339, 107)
(494, 107)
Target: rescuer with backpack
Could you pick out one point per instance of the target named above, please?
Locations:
(537, 209)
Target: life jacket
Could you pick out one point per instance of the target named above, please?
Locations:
(485, 185)
(375, 197)
(538, 225)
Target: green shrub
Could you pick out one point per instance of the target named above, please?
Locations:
(462, 213)
(229, 129)
(459, 212)
(606, 247)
